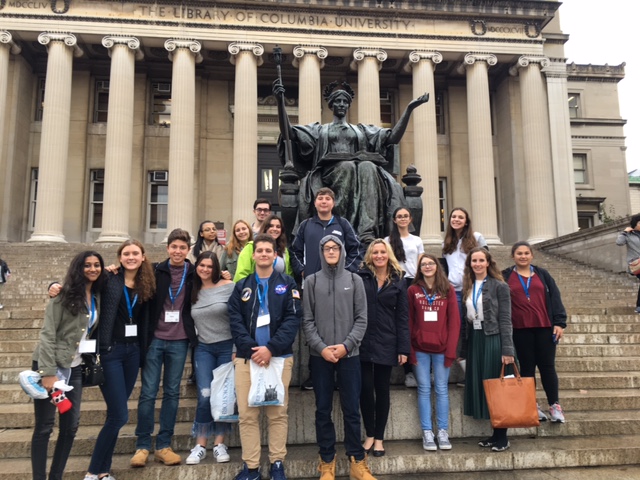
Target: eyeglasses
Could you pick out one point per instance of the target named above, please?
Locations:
(331, 249)
(262, 210)
(428, 265)
(402, 217)
(206, 230)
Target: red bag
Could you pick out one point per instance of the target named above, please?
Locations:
(512, 401)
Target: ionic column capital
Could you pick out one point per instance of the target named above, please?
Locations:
(301, 50)
(360, 54)
(236, 48)
(193, 46)
(526, 60)
(417, 56)
(6, 37)
(69, 39)
(132, 43)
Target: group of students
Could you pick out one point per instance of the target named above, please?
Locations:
(361, 314)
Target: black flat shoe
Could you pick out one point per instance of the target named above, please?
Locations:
(487, 442)
(378, 453)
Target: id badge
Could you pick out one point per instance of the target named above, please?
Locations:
(477, 324)
(87, 346)
(263, 320)
(430, 316)
(131, 330)
(172, 316)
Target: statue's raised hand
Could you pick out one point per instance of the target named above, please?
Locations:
(418, 101)
(277, 88)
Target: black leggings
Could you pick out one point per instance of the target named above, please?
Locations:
(374, 398)
(638, 297)
(535, 348)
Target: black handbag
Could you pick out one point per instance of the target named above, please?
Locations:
(92, 372)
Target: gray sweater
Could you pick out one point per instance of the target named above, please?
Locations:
(210, 314)
(632, 241)
(335, 306)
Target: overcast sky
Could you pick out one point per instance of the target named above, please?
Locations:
(601, 32)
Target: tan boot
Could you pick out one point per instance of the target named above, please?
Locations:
(167, 456)
(327, 470)
(139, 458)
(360, 470)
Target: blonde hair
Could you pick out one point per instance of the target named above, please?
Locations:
(392, 265)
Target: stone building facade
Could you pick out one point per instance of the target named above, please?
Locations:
(130, 118)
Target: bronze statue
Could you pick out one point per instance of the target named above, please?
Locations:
(349, 159)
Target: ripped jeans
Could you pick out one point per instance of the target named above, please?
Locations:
(208, 357)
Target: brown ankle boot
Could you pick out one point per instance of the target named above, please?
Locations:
(360, 470)
(327, 470)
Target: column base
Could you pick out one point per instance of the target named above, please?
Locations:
(492, 239)
(46, 238)
(112, 238)
(431, 239)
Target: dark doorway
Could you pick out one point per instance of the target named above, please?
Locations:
(269, 168)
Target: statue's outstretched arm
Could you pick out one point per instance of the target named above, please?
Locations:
(398, 130)
(283, 118)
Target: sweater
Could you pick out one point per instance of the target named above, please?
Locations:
(210, 314)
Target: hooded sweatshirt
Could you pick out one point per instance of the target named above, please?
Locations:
(335, 305)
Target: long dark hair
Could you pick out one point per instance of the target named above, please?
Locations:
(199, 245)
(441, 284)
(215, 273)
(73, 293)
(145, 281)
(394, 237)
(281, 241)
(451, 237)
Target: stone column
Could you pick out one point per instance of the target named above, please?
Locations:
(481, 168)
(561, 147)
(425, 141)
(536, 144)
(246, 57)
(119, 151)
(54, 139)
(368, 62)
(184, 54)
(309, 59)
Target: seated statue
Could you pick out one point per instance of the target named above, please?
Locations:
(349, 159)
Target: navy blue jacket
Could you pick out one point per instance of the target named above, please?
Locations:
(284, 311)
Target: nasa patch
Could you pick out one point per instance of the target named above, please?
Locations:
(281, 289)
(295, 294)
(246, 294)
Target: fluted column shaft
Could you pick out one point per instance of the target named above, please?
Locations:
(184, 54)
(309, 59)
(246, 57)
(481, 168)
(368, 62)
(537, 152)
(425, 142)
(119, 149)
(54, 139)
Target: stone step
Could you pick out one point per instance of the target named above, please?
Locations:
(403, 458)
(596, 400)
(596, 380)
(600, 338)
(569, 350)
(603, 328)
(600, 318)
(596, 364)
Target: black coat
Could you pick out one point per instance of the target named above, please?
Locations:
(387, 334)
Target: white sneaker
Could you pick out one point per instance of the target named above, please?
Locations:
(197, 453)
(220, 453)
(541, 415)
(428, 441)
(410, 380)
(90, 476)
(443, 440)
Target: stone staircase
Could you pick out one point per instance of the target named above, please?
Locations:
(598, 363)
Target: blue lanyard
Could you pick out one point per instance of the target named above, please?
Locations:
(525, 287)
(430, 298)
(261, 295)
(129, 304)
(173, 297)
(475, 297)
(92, 314)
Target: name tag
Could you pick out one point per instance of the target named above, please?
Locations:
(131, 330)
(263, 320)
(477, 324)
(172, 316)
(87, 346)
(431, 316)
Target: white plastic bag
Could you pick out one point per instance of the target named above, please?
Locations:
(224, 407)
(266, 384)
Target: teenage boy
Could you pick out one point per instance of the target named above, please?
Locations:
(172, 331)
(261, 209)
(335, 321)
(264, 314)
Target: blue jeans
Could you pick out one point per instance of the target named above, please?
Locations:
(208, 357)
(349, 381)
(45, 413)
(172, 355)
(441, 384)
(120, 366)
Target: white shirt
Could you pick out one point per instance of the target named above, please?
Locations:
(455, 262)
(413, 247)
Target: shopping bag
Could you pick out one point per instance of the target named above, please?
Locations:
(512, 401)
(224, 406)
(634, 266)
(266, 383)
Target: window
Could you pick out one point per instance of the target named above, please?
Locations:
(387, 114)
(158, 199)
(585, 220)
(96, 199)
(574, 105)
(33, 198)
(161, 104)
(40, 100)
(442, 196)
(580, 176)
(101, 101)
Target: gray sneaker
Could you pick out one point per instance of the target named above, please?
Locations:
(541, 415)
(443, 440)
(556, 413)
(410, 380)
(428, 441)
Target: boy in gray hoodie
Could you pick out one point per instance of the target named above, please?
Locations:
(334, 323)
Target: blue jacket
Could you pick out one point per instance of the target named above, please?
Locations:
(305, 255)
(284, 310)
